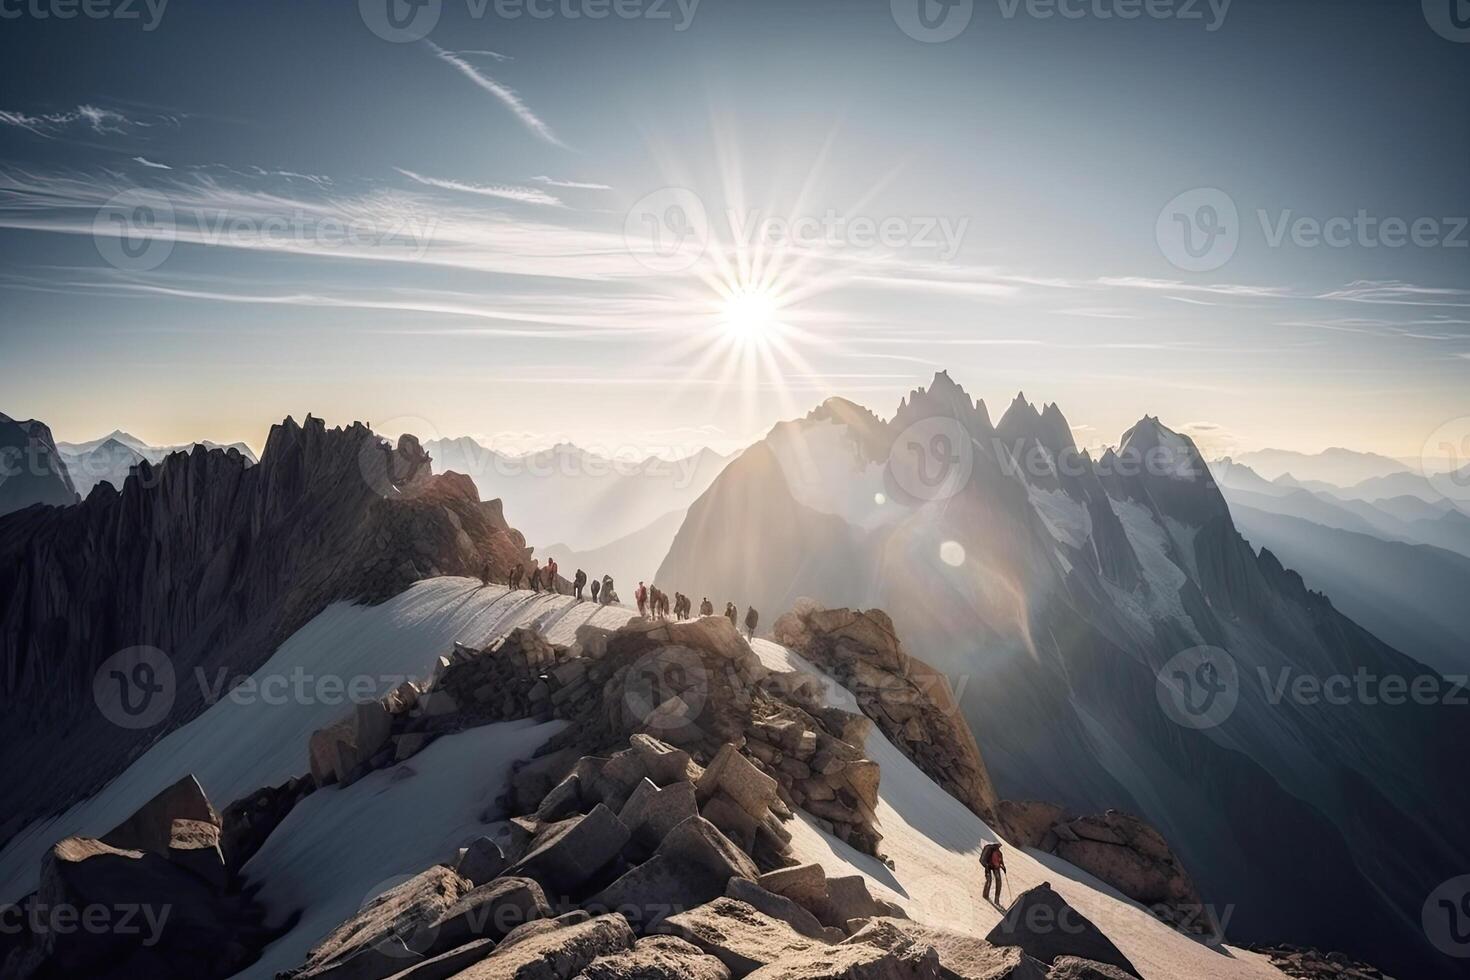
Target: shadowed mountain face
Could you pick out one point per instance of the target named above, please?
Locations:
(211, 563)
(31, 469)
(1074, 604)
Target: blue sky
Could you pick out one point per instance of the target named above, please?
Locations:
(451, 233)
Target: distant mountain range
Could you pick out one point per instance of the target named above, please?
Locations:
(1340, 467)
(1065, 597)
(110, 458)
(584, 500)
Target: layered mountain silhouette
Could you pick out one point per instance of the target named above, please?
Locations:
(212, 562)
(1064, 595)
(31, 468)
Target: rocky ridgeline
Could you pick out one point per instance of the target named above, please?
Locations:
(910, 702)
(1121, 850)
(214, 562)
(1312, 964)
(695, 685)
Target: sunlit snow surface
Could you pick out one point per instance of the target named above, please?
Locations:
(340, 847)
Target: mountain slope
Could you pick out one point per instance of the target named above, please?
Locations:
(582, 499)
(632, 558)
(206, 563)
(1408, 594)
(1057, 591)
(31, 468)
(342, 845)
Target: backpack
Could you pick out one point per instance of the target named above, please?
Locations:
(987, 855)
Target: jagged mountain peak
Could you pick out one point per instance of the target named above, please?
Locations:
(944, 398)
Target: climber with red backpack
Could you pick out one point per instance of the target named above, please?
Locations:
(994, 864)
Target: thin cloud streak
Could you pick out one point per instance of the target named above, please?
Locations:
(506, 95)
(507, 192)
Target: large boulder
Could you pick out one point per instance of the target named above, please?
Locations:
(1074, 968)
(657, 958)
(961, 956)
(782, 908)
(692, 866)
(651, 813)
(1042, 923)
(481, 861)
(741, 937)
(1120, 849)
(390, 932)
(490, 911)
(158, 911)
(340, 751)
(854, 963)
(554, 953)
(151, 828)
(567, 855)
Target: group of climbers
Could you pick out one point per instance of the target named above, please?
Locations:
(652, 601)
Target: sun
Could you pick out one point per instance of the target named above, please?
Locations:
(749, 315)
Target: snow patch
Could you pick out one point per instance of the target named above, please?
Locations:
(1066, 519)
(240, 745)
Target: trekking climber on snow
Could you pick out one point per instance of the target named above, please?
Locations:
(641, 597)
(994, 864)
(609, 597)
(751, 619)
(596, 587)
(535, 576)
(548, 575)
(485, 573)
(515, 576)
(706, 608)
(732, 615)
(578, 581)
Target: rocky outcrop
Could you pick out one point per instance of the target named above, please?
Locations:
(151, 898)
(1121, 850)
(31, 469)
(693, 687)
(910, 702)
(212, 563)
(1311, 964)
(1041, 922)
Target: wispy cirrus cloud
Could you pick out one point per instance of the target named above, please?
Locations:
(579, 185)
(504, 93)
(505, 192)
(50, 124)
(150, 164)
